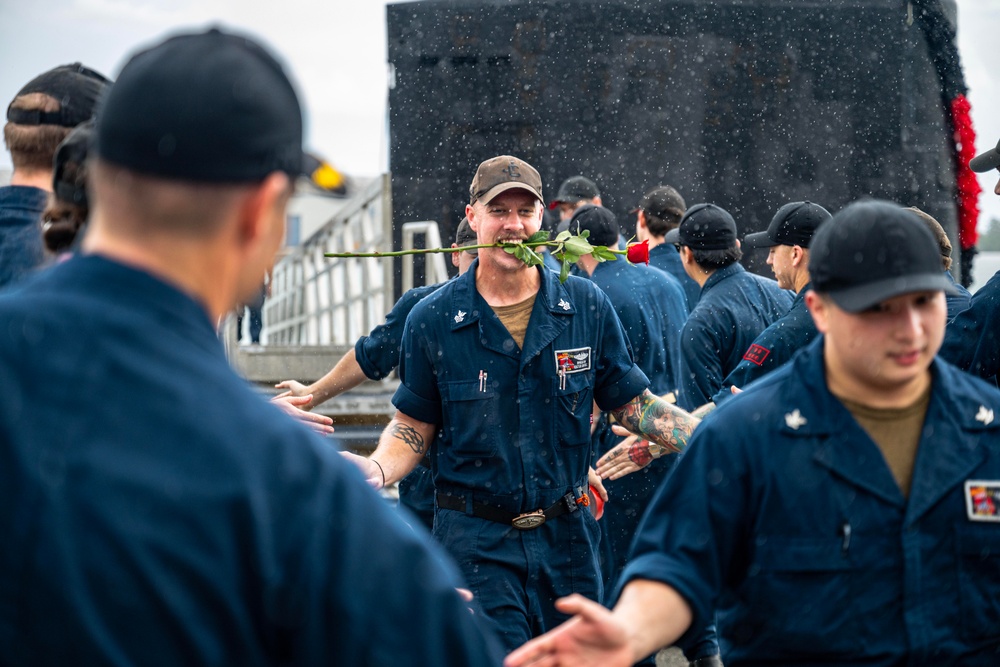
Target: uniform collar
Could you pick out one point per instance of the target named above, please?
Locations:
(722, 274)
(468, 305)
(958, 418)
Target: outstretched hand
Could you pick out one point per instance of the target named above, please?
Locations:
(625, 458)
(293, 388)
(291, 406)
(592, 638)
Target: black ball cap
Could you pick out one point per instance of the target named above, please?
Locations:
(793, 224)
(987, 160)
(76, 87)
(872, 251)
(599, 221)
(208, 107)
(705, 227)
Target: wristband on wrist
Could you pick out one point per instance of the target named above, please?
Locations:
(380, 470)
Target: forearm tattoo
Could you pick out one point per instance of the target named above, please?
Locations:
(665, 426)
(410, 436)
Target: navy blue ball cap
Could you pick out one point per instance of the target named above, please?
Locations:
(207, 107)
(704, 227)
(872, 251)
(793, 224)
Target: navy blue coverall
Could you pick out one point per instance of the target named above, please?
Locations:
(972, 338)
(21, 247)
(783, 514)
(378, 355)
(155, 510)
(734, 308)
(514, 435)
(776, 345)
(666, 258)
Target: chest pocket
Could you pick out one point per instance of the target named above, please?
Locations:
(572, 403)
(979, 579)
(798, 589)
(472, 418)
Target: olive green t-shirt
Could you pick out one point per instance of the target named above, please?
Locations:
(896, 431)
(515, 318)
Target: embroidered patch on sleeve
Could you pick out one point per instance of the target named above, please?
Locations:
(573, 361)
(982, 500)
(757, 354)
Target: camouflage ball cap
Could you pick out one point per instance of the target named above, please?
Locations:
(503, 173)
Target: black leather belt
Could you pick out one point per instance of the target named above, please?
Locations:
(526, 521)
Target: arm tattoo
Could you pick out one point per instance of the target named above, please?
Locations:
(410, 436)
(666, 426)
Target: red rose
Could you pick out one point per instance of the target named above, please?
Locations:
(638, 253)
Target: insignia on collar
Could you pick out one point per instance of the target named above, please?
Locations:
(563, 304)
(982, 500)
(460, 317)
(573, 361)
(984, 415)
(794, 419)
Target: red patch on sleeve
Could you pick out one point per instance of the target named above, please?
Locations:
(757, 354)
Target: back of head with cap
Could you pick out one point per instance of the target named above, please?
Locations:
(599, 221)
(204, 108)
(46, 109)
(68, 209)
(873, 251)
(662, 207)
(190, 126)
(793, 224)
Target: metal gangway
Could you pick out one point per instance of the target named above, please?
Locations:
(318, 306)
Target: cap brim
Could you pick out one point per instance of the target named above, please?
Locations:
(862, 297)
(492, 193)
(987, 161)
(673, 236)
(759, 240)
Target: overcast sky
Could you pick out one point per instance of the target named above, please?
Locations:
(336, 52)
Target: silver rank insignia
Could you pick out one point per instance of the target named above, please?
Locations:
(562, 304)
(460, 317)
(794, 419)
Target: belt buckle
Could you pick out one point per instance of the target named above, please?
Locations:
(529, 520)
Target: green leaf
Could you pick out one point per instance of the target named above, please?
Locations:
(564, 271)
(539, 236)
(563, 235)
(510, 249)
(602, 254)
(532, 258)
(578, 245)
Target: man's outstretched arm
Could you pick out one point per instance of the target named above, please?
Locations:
(400, 448)
(649, 615)
(346, 374)
(661, 428)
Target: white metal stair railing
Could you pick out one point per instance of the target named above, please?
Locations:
(317, 300)
(435, 270)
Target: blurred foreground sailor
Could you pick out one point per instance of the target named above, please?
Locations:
(843, 510)
(143, 524)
